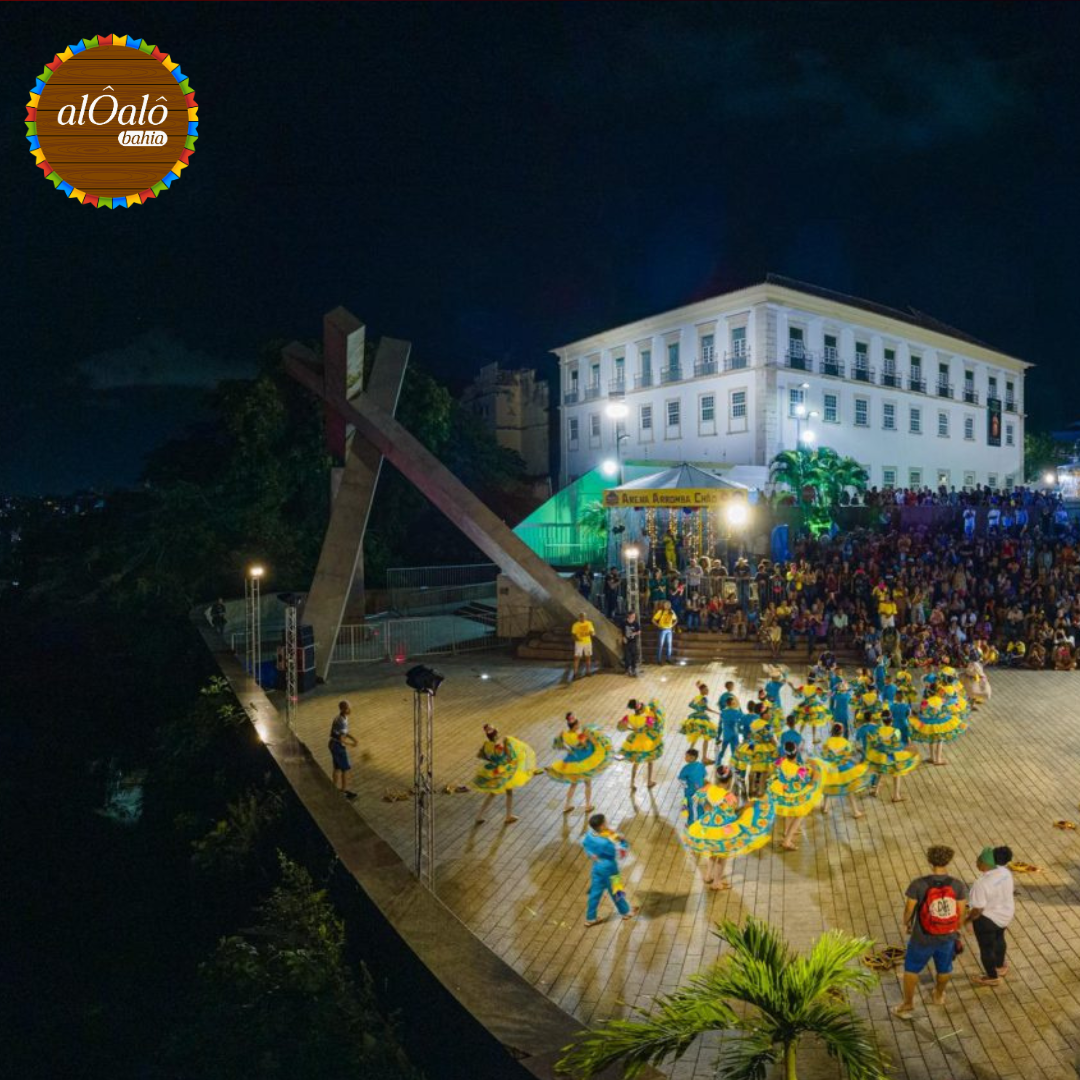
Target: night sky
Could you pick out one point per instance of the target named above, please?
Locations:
(492, 180)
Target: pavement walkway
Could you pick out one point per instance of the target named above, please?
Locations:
(521, 888)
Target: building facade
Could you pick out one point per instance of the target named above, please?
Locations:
(514, 405)
(735, 379)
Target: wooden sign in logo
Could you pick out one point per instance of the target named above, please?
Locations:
(112, 121)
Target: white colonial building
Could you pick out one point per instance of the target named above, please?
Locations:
(733, 380)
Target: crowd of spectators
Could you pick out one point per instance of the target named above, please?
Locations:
(1001, 586)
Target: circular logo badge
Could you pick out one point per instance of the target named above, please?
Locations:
(112, 121)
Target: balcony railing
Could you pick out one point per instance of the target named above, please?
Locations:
(832, 365)
(862, 374)
(916, 384)
(592, 391)
(799, 360)
(706, 367)
(617, 387)
(891, 378)
(1010, 404)
(643, 380)
(737, 360)
(971, 397)
(570, 397)
(670, 375)
(944, 389)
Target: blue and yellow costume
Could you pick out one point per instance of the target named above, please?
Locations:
(646, 739)
(699, 724)
(587, 753)
(905, 687)
(811, 710)
(758, 753)
(885, 754)
(797, 789)
(936, 720)
(723, 830)
(604, 849)
(845, 772)
(507, 764)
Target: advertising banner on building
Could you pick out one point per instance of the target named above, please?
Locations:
(993, 422)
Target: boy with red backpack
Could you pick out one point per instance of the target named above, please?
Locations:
(934, 914)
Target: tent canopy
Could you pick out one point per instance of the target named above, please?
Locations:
(682, 485)
(680, 476)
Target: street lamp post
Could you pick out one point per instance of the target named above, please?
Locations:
(253, 619)
(618, 410)
(802, 416)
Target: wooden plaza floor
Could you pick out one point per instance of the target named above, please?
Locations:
(521, 888)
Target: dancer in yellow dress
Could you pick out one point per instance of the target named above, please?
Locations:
(699, 724)
(645, 743)
(845, 772)
(587, 753)
(756, 757)
(886, 756)
(812, 710)
(508, 763)
(795, 790)
(940, 717)
(723, 830)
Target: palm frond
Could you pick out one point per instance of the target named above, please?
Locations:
(748, 1056)
(828, 966)
(848, 1039)
(674, 1022)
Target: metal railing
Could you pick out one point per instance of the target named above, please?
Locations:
(617, 386)
(643, 380)
(570, 397)
(831, 364)
(1010, 405)
(944, 389)
(400, 639)
(564, 543)
(706, 367)
(891, 378)
(971, 396)
(670, 375)
(799, 360)
(737, 360)
(409, 585)
(592, 391)
(862, 373)
(917, 385)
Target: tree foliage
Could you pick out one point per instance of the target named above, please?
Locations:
(1042, 452)
(817, 479)
(763, 996)
(278, 1000)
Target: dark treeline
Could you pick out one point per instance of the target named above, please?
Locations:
(199, 940)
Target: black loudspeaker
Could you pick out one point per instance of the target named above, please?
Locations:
(305, 634)
(305, 681)
(305, 658)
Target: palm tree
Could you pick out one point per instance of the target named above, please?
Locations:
(824, 473)
(764, 995)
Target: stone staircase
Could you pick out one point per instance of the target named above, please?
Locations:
(555, 647)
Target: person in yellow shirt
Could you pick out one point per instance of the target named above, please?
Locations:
(582, 631)
(887, 612)
(664, 620)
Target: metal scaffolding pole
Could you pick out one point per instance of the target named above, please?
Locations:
(291, 687)
(633, 581)
(424, 787)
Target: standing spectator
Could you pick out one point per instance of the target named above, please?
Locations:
(217, 616)
(694, 577)
(582, 632)
(991, 910)
(934, 914)
(632, 644)
(583, 580)
(340, 741)
(612, 587)
(665, 620)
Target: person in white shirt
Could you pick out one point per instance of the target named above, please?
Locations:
(990, 910)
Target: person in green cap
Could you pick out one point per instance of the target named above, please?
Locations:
(990, 910)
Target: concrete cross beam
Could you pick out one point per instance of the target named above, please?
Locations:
(491, 535)
(341, 560)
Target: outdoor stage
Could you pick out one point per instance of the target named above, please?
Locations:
(521, 888)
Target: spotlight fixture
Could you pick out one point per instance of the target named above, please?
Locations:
(423, 680)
